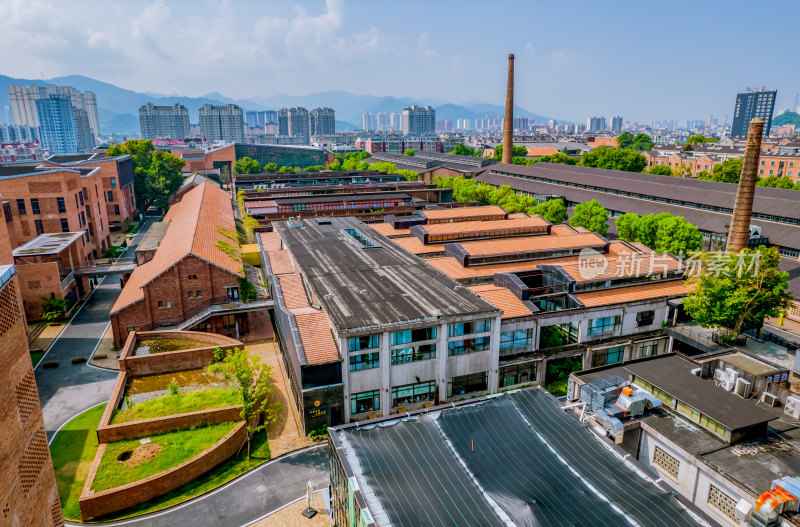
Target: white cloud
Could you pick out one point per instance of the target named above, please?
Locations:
(423, 45)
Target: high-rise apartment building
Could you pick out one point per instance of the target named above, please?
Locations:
(18, 133)
(394, 121)
(260, 119)
(322, 121)
(616, 123)
(419, 120)
(27, 483)
(368, 121)
(521, 123)
(293, 122)
(23, 103)
(596, 124)
(756, 102)
(164, 122)
(383, 122)
(57, 124)
(222, 123)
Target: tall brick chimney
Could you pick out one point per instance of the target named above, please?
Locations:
(739, 232)
(508, 129)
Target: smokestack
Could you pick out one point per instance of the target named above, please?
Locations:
(508, 129)
(739, 233)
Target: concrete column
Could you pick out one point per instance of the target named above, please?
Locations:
(441, 356)
(386, 373)
(345, 377)
(494, 369)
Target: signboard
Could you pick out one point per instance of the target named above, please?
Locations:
(318, 411)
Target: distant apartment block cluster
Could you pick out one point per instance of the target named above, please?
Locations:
(413, 120)
(65, 118)
(301, 123)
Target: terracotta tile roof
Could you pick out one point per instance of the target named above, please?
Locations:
(461, 227)
(452, 268)
(627, 264)
(515, 215)
(632, 293)
(532, 243)
(270, 241)
(414, 246)
(560, 230)
(464, 212)
(502, 298)
(294, 294)
(194, 230)
(280, 262)
(387, 230)
(259, 203)
(315, 335)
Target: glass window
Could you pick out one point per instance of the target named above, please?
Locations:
(645, 318)
(460, 347)
(113, 182)
(228, 321)
(364, 342)
(516, 339)
(116, 209)
(110, 195)
(468, 328)
(518, 373)
(604, 325)
(608, 356)
(367, 361)
(476, 382)
(64, 225)
(413, 335)
(648, 349)
(21, 207)
(35, 205)
(39, 226)
(62, 207)
(413, 393)
(414, 354)
(365, 402)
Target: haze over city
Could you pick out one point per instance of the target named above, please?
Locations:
(677, 60)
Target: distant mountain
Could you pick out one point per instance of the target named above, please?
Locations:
(118, 107)
(787, 118)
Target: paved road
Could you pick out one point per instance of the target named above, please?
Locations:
(247, 499)
(72, 388)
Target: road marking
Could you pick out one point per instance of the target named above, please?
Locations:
(70, 419)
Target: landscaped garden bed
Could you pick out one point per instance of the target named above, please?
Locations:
(162, 345)
(136, 459)
(179, 403)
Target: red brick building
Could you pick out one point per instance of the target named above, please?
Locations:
(189, 273)
(28, 493)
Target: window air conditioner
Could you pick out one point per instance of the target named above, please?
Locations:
(743, 388)
(768, 398)
(792, 406)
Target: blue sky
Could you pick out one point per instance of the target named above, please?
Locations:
(642, 60)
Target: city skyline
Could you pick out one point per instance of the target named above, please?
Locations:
(589, 73)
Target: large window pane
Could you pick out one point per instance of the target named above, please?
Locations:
(516, 339)
(364, 342)
(604, 325)
(413, 335)
(413, 393)
(518, 373)
(414, 354)
(366, 361)
(365, 402)
(468, 328)
(476, 382)
(459, 347)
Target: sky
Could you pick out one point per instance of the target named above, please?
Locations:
(642, 60)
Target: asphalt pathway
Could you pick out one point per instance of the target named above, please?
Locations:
(72, 388)
(252, 496)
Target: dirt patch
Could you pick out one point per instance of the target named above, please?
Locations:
(141, 454)
(106, 348)
(75, 470)
(45, 337)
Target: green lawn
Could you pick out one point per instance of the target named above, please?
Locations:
(557, 388)
(73, 451)
(178, 447)
(180, 403)
(162, 345)
(36, 357)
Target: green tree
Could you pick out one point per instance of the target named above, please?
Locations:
(271, 168)
(483, 193)
(728, 171)
(410, 175)
(552, 210)
(141, 152)
(675, 235)
(637, 142)
(776, 182)
(590, 215)
(250, 378)
(286, 170)
(526, 161)
(700, 139)
(409, 152)
(463, 150)
(741, 292)
(626, 159)
(464, 189)
(661, 170)
(626, 226)
(519, 151)
(559, 158)
(246, 165)
(53, 308)
(164, 178)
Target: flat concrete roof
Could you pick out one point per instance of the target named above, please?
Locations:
(47, 244)
(153, 236)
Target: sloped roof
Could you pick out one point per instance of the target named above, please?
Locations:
(620, 295)
(193, 231)
(502, 298)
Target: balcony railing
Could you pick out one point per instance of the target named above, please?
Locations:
(67, 280)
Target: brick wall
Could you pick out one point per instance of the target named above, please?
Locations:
(28, 494)
(107, 433)
(170, 361)
(95, 504)
(37, 282)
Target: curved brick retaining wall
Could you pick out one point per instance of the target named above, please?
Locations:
(107, 433)
(171, 361)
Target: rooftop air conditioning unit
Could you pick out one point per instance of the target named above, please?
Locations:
(727, 385)
(697, 371)
(719, 376)
(743, 388)
(768, 398)
(792, 406)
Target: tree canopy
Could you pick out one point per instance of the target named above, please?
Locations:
(559, 158)
(700, 139)
(156, 173)
(552, 210)
(271, 167)
(246, 165)
(463, 150)
(662, 232)
(637, 142)
(590, 215)
(737, 289)
(626, 159)
(519, 151)
(661, 170)
(729, 171)
(409, 152)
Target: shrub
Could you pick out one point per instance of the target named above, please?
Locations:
(100, 356)
(50, 364)
(174, 388)
(78, 360)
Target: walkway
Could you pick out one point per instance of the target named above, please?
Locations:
(246, 499)
(72, 388)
